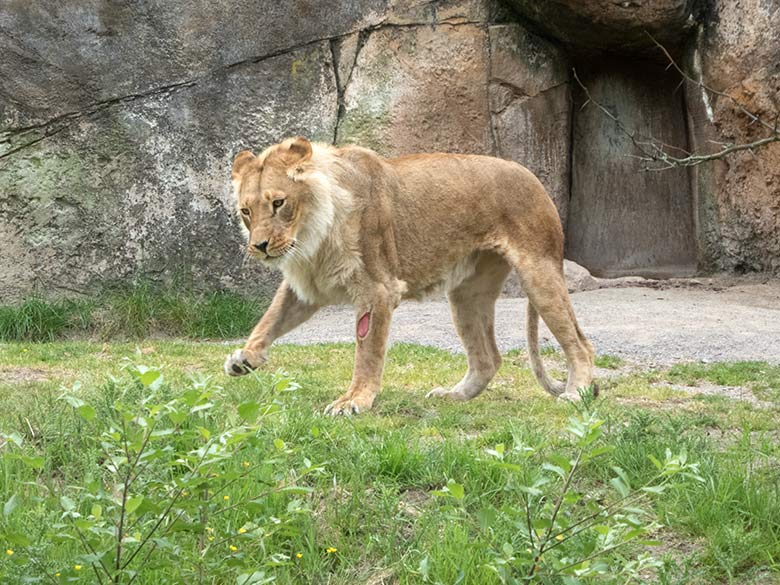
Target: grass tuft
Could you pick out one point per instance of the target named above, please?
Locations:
(37, 319)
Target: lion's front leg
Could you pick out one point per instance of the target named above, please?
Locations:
(372, 328)
(285, 313)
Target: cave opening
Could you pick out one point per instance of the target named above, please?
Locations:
(624, 219)
(621, 218)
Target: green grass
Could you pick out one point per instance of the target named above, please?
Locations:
(374, 502)
(134, 312)
(39, 320)
(761, 377)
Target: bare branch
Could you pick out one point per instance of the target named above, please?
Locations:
(698, 83)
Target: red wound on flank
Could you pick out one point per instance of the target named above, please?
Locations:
(362, 326)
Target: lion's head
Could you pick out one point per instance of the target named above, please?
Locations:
(281, 200)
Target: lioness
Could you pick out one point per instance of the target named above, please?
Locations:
(345, 225)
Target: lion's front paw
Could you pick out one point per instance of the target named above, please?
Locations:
(444, 393)
(350, 404)
(241, 362)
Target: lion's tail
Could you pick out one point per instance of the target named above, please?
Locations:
(554, 387)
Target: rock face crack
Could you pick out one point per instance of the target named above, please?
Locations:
(338, 55)
(38, 132)
(334, 55)
(15, 139)
(493, 126)
(515, 93)
(99, 106)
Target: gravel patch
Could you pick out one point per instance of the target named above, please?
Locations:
(649, 326)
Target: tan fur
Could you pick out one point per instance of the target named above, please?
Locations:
(356, 228)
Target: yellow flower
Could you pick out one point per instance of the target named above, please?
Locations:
(77, 567)
(184, 492)
(233, 548)
(209, 529)
(241, 530)
(559, 537)
(330, 550)
(246, 464)
(211, 539)
(226, 498)
(9, 552)
(56, 574)
(299, 555)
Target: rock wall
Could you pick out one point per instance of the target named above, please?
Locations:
(737, 52)
(618, 26)
(119, 120)
(725, 216)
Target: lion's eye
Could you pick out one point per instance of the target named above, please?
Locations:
(278, 203)
(245, 210)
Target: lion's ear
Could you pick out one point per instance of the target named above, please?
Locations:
(298, 150)
(241, 163)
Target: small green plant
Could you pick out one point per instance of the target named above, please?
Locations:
(564, 531)
(610, 362)
(169, 501)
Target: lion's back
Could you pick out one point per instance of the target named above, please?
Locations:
(470, 176)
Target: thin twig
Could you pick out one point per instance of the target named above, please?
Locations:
(123, 508)
(753, 117)
(164, 515)
(543, 541)
(44, 571)
(88, 546)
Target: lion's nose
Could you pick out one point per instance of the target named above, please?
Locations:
(262, 246)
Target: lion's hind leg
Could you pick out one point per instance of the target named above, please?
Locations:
(472, 304)
(545, 285)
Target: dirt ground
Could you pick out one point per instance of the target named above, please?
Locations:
(718, 319)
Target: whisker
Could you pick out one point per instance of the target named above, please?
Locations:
(297, 254)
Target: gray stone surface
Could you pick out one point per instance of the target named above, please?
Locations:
(530, 99)
(420, 88)
(59, 57)
(141, 187)
(119, 120)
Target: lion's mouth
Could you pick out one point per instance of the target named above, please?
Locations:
(277, 254)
